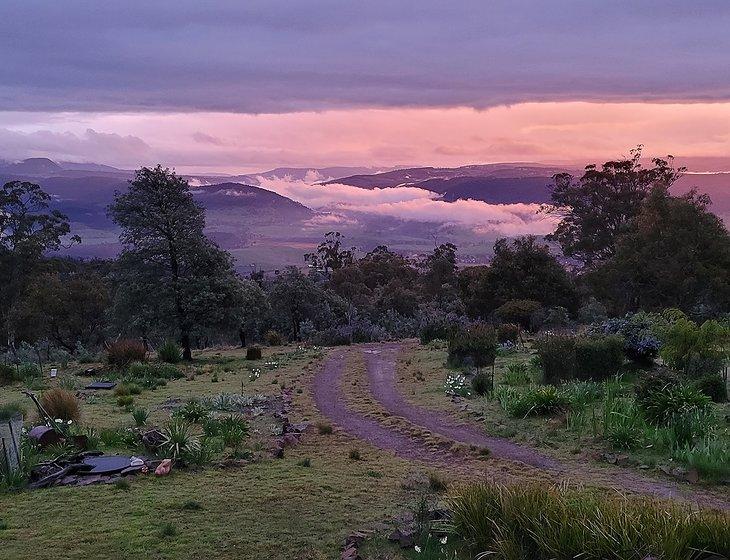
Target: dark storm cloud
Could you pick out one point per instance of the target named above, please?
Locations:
(279, 56)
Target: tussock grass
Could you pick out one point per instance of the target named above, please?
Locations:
(539, 522)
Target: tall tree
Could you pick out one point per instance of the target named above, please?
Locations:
(439, 271)
(330, 255)
(28, 229)
(169, 270)
(522, 269)
(594, 208)
(675, 253)
(64, 308)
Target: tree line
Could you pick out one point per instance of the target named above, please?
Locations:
(630, 244)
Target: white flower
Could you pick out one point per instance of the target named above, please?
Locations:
(417, 549)
(443, 541)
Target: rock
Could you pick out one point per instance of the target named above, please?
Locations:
(350, 553)
(693, 476)
(152, 439)
(404, 538)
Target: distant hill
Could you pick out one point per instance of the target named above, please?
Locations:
(32, 166)
(227, 196)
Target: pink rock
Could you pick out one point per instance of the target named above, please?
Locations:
(164, 468)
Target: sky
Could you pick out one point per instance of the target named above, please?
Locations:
(247, 86)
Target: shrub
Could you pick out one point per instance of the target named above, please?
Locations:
(8, 374)
(598, 357)
(508, 332)
(437, 325)
(653, 381)
(641, 344)
(557, 357)
(253, 353)
(140, 416)
(354, 454)
(482, 383)
(517, 374)
(192, 411)
(518, 311)
(436, 483)
(324, 429)
(231, 429)
(273, 338)
(552, 318)
(62, 404)
(592, 311)
(11, 410)
(543, 522)
(662, 405)
(125, 400)
(694, 349)
(125, 351)
(712, 385)
(178, 439)
(476, 343)
(307, 462)
(170, 352)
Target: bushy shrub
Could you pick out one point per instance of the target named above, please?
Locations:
(253, 353)
(557, 357)
(475, 344)
(508, 332)
(273, 338)
(193, 412)
(125, 351)
(712, 385)
(436, 325)
(482, 383)
(551, 318)
(543, 522)
(598, 357)
(170, 352)
(641, 344)
(695, 350)
(653, 381)
(8, 374)
(661, 406)
(62, 404)
(124, 401)
(518, 311)
(592, 311)
(84, 355)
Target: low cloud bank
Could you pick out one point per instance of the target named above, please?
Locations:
(416, 204)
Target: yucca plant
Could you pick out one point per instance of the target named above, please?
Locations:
(178, 439)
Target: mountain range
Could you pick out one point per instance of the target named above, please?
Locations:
(269, 229)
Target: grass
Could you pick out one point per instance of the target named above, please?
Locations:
(538, 522)
(597, 418)
(268, 509)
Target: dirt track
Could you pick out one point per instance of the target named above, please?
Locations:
(381, 362)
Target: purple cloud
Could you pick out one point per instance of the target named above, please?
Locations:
(280, 56)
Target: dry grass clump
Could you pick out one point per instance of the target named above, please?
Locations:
(60, 403)
(125, 351)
